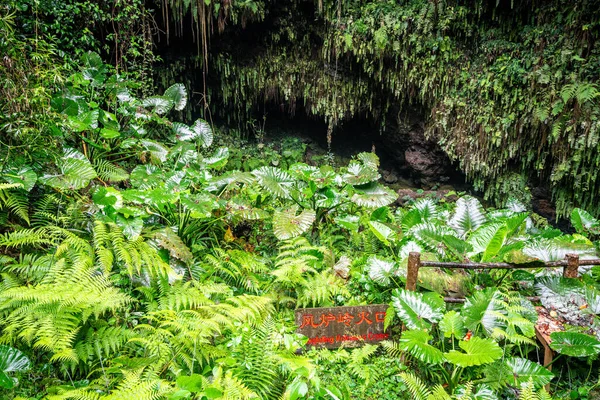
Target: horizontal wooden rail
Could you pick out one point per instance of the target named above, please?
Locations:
(570, 266)
(455, 265)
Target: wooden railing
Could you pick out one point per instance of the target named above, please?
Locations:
(570, 266)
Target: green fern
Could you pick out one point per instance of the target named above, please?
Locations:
(109, 172)
(13, 198)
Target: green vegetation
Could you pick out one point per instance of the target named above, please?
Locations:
(147, 252)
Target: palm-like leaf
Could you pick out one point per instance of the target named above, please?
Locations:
(416, 342)
(575, 344)
(417, 310)
(373, 196)
(274, 180)
(178, 95)
(288, 224)
(468, 215)
(477, 351)
(523, 370)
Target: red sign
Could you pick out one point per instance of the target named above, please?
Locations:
(342, 326)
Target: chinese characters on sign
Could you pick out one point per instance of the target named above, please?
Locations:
(342, 326)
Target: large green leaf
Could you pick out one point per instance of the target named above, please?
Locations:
(523, 370)
(76, 172)
(584, 222)
(426, 208)
(483, 309)
(477, 351)
(416, 342)
(574, 344)
(240, 207)
(495, 244)
(146, 176)
(431, 235)
(468, 215)
(416, 310)
(350, 222)
(219, 158)
(24, 176)
(11, 360)
(380, 271)
(373, 195)
(178, 95)
(288, 224)
(160, 104)
(274, 180)
(484, 236)
(556, 248)
(182, 131)
(203, 132)
(157, 151)
(452, 324)
(360, 174)
(382, 232)
(199, 205)
(410, 219)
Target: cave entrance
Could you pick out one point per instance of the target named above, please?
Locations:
(407, 159)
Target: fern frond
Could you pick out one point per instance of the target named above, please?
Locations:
(109, 172)
(15, 200)
(416, 387)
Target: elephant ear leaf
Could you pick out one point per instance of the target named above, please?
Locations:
(274, 180)
(524, 370)
(159, 104)
(584, 222)
(11, 360)
(484, 309)
(288, 224)
(203, 132)
(417, 310)
(178, 95)
(575, 344)
(468, 215)
(76, 172)
(373, 195)
(416, 342)
(477, 351)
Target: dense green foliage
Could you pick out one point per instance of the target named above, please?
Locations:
(145, 254)
(507, 89)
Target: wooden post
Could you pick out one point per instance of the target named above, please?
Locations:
(548, 354)
(571, 270)
(412, 272)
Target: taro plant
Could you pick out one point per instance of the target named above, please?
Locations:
(11, 360)
(468, 347)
